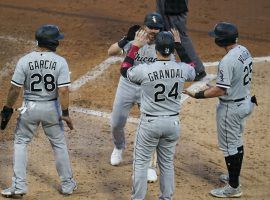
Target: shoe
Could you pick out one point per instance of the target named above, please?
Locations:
(68, 191)
(151, 175)
(116, 157)
(226, 192)
(12, 191)
(200, 76)
(224, 178)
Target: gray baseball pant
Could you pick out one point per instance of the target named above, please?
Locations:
(159, 133)
(230, 118)
(47, 114)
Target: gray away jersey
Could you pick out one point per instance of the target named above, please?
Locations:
(162, 83)
(40, 73)
(235, 73)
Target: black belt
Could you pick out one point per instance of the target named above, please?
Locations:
(236, 100)
(41, 100)
(147, 115)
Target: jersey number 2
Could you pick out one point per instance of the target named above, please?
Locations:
(173, 92)
(248, 72)
(48, 80)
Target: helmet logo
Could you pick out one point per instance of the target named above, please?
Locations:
(154, 19)
(167, 50)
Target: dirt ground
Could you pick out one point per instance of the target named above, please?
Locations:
(90, 26)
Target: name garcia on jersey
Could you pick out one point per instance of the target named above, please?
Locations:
(42, 64)
(166, 73)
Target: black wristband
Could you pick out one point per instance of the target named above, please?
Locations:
(123, 42)
(199, 95)
(65, 112)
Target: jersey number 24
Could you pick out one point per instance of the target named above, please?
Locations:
(161, 87)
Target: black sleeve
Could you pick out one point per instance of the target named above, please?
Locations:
(182, 52)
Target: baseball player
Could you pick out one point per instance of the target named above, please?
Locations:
(174, 13)
(44, 76)
(128, 93)
(162, 83)
(235, 104)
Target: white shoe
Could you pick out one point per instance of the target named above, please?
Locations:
(116, 157)
(151, 175)
(12, 191)
(226, 192)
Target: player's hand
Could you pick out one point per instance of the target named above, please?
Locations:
(189, 93)
(140, 38)
(176, 35)
(68, 120)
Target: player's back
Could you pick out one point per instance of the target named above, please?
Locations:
(239, 61)
(41, 73)
(162, 86)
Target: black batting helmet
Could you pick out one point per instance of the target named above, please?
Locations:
(164, 43)
(48, 36)
(154, 20)
(225, 34)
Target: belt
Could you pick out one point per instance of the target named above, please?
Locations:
(147, 115)
(41, 100)
(235, 100)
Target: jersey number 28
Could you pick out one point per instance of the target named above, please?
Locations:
(48, 80)
(173, 92)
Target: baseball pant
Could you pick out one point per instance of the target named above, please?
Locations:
(47, 113)
(230, 118)
(126, 96)
(159, 133)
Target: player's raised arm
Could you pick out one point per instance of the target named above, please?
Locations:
(184, 57)
(117, 47)
(139, 41)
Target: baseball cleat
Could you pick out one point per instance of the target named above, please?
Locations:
(227, 192)
(151, 175)
(12, 192)
(116, 157)
(69, 191)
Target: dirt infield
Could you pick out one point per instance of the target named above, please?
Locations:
(90, 26)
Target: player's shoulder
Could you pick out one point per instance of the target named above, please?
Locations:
(26, 57)
(59, 58)
(233, 55)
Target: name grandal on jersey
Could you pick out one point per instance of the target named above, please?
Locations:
(166, 73)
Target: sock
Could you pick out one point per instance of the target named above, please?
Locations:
(234, 164)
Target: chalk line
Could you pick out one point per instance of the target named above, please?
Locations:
(96, 71)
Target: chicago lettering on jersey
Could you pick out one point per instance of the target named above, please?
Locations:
(166, 73)
(144, 59)
(244, 56)
(42, 64)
